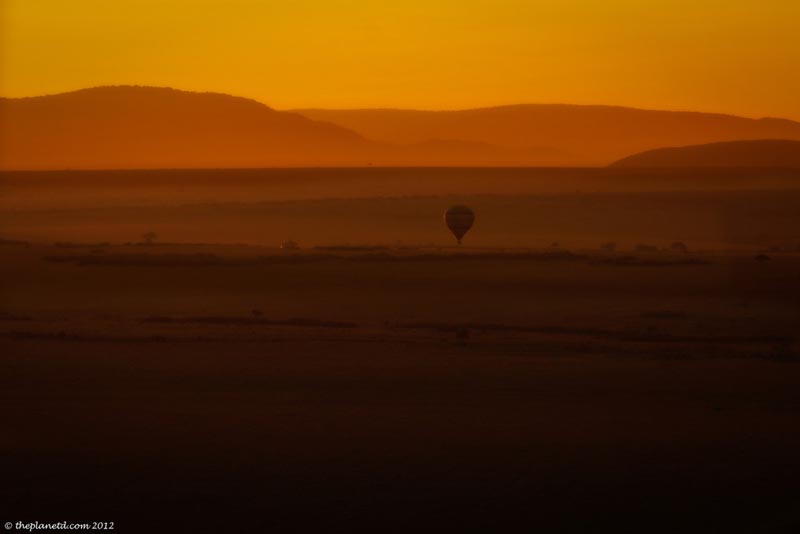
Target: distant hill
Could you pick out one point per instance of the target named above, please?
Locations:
(147, 127)
(126, 127)
(757, 153)
(564, 134)
(129, 127)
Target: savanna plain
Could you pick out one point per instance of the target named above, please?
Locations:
(608, 350)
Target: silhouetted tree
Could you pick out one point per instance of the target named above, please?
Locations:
(679, 246)
(149, 237)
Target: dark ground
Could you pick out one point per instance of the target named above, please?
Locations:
(153, 397)
(412, 387)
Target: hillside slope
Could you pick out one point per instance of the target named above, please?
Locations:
(131, 127)
(590, 135)
(146, 127)
(758, 153)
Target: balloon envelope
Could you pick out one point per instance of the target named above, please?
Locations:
(459, 220)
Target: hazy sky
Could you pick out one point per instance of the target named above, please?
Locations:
(737, 56)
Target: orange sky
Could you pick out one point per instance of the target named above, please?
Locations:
(736, 56)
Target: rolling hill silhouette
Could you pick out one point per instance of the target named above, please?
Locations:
(580, 135)
(126, 127)
(129, 127)
(147, 127)
(758, 153)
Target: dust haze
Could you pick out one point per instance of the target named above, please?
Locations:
(618, 341)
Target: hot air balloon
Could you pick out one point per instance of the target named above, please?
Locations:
(459, 220)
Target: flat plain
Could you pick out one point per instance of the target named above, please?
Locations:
(380, 378)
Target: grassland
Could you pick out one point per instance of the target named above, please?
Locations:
(211, 382)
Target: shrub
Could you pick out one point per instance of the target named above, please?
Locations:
(149, 238)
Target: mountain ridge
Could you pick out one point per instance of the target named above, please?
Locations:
(136, 126)
(595, 134)
(774, 153)
(148, 127)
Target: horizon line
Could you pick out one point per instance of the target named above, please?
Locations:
(296, 109)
